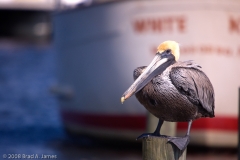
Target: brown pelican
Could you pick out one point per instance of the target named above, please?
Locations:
(172, 91)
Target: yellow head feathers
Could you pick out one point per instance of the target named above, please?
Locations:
(172, 45)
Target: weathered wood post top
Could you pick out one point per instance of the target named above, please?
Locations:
(158, 148)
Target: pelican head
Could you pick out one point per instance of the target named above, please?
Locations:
(172, 45)
(167, 54)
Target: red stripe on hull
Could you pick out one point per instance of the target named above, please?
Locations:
(138, 122)
(216, 123)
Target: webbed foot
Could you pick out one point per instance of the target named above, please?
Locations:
(180, 142)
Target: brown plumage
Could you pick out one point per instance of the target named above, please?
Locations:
(180, 94)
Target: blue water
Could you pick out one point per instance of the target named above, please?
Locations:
(29, 115)
(30, 123)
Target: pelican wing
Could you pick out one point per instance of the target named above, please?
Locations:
(192, 82)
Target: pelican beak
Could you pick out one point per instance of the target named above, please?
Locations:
(159, 63)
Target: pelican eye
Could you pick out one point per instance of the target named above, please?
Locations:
(168, 51)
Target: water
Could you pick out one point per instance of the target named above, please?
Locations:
(29, 114)
(30, 124)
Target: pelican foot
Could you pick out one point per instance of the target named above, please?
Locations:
(151, 135)
(180, 142)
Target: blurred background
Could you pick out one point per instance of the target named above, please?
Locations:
(64, 65)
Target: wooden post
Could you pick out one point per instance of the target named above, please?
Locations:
(158, 148)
